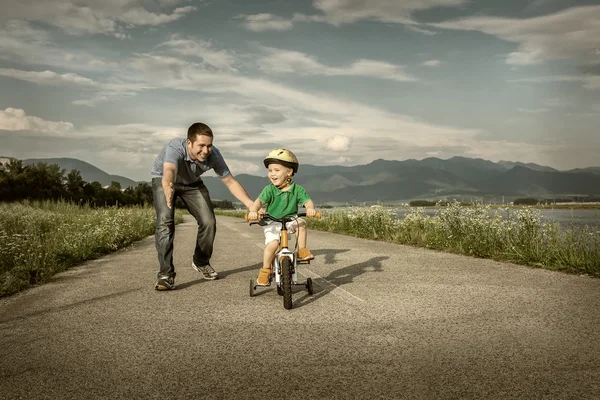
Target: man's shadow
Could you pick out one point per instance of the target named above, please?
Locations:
(339, 277)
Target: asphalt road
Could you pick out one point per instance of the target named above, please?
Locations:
(385, 322)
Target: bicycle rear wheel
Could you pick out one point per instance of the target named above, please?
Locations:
(286, 282)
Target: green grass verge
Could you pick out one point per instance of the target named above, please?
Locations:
(39, 239)
(505, 234)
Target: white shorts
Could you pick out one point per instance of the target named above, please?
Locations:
(274, 228)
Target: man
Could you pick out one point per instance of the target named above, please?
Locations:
(177, 172)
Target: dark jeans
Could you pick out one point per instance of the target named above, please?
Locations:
(197, 201)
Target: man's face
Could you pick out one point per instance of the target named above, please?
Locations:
(200, 148)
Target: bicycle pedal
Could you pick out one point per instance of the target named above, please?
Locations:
(303, 262)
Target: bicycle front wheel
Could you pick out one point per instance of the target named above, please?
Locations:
(286, 282)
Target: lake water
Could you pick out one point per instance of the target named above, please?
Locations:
(564, 217)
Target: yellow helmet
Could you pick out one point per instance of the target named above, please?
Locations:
(283, 157)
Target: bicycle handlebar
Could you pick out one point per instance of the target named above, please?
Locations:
(317, 215)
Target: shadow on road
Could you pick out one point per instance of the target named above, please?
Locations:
(339, 277)
(69, 306)
(328, 253)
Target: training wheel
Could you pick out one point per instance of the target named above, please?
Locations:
(251, 287)
(309, 286)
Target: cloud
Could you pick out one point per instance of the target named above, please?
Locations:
(590, 82)
(103, 91)
(92, 16)
(567, 34)
(591, 68)
(21, 42)
(221, 60)
(48, 77)
(262, 115)
(269, 22)
(420, 30)
(266, 22)
(532, 110)
(339, 12)
(432, 63)
(338, 143)
(287, 61)
(14, 119)
(105, 96)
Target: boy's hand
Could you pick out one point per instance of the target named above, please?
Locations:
(310, 212)
(252, 215)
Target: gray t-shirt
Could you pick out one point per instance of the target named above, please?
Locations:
(188, 170)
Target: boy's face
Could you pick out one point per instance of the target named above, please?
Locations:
(200, 148)
(278, 174)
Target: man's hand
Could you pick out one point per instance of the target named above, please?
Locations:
(169, 191)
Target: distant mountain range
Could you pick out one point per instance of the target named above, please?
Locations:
(396, 181)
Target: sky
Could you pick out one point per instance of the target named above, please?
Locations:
(338, 82)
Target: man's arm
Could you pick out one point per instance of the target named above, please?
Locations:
(237, 190)
(256, 206)
(168, 181)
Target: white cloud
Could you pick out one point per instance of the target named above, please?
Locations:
(141, 16)
(338, 143)
(14, 119)
(590, 82)
(567, 34)
(20, 42)
(286, 61)
(48, 77)
(533, 110)
(266, 22)
(420, 30)
(432, 63)
(103, 91)
(338, 12)
(222, 60)
(92, 16)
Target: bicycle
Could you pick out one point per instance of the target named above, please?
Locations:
(284, 267)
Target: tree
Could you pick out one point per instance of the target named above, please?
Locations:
(12, 186)
(92, 193)
(43, 181)
(74, 185)
(526, 201)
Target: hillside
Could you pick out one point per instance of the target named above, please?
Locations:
(400, 181)
(89, 173)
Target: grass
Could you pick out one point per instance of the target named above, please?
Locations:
(39, 239)
(505, 234)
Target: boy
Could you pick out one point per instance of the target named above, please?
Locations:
(282, 197)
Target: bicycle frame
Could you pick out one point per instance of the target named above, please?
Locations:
(284, 264)
(284, 252)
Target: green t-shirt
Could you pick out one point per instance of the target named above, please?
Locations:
(283, 203)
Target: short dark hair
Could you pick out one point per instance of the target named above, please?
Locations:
(197, 129)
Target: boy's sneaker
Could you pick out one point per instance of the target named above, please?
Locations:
(165, 284)
(304, 254)
(207, 270)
